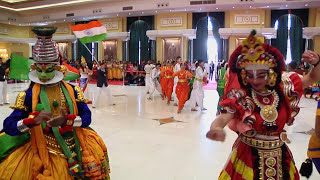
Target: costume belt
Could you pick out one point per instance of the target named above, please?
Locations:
(54, 147)
(262, 141)
(148, 73)
(169, 77)
(197, 79)
(182, 80)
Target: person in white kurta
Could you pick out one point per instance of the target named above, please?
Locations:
(148, 68)
(154, 83)
(176, 69)
(197, 93)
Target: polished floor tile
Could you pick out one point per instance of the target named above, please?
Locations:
(142, 148)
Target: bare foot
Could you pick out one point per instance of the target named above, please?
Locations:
(149, 98)
(93, 107)
(6, 103)
(175, 104)
(168, 102)
(162, 96)
(148, 93)
(193, 109)
(179, 111)
(203, 109)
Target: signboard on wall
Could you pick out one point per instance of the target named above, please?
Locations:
(111, 25)
(172, 21)
(62, 30)
(4, 30)
(247, 19)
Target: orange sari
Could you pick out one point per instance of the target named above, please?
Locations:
(163, 79)
(183, 88)
(169, 82)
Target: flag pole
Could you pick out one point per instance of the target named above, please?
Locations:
(90, 53)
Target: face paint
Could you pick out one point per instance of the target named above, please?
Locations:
(45, 72)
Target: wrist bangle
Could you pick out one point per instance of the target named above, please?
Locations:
(21, 127)
(77, 121)
(29, 121)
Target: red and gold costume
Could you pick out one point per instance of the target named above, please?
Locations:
(168, 75)
(163, 81)
(183, 88)
(260, 151)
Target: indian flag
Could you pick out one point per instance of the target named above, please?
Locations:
(91, 32)
(72, 74)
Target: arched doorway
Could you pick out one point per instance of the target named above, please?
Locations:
(139, 42)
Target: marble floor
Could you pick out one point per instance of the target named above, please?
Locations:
(142, 148)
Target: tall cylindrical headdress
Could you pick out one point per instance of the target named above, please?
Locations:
(45, 50)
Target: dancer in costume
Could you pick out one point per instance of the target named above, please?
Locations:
(85, 74)
(148, 68)
(197, 93)
(183, 89)
(109, 67)
(154, 82)
(47, 136)
(223, 76)
(266, 99)
(119, 71)
(314, 142)
(169, 81)
(102, 86)
(114, 70)
(176, 79)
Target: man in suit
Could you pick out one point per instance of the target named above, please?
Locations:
(102, 86)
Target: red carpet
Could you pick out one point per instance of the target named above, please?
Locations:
(94, 81)
(210, 86)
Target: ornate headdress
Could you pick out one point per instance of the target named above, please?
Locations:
(253, 55)
(45, 50)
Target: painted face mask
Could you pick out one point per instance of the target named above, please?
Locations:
(45, 72)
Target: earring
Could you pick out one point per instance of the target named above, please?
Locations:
(272, 78)
(244, 77)
(57, 67)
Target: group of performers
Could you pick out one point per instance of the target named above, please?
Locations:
(115, 70)
(174, 82)
(47, 136)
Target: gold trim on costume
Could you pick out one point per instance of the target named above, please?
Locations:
(20, 102)
(197, 79)
(264, 144)
(80, 96)
(54, 147)
(182, 80)
(169, 77)
(270, 164)
(293, 96)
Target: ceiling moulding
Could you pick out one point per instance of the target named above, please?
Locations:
(310, 32)
(69, 38)
(225, 33)
(189, 33)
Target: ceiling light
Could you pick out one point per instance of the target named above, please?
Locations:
(64, 20)
(233, 7)
(73, 19)
(200, 9)
(250, 6)
(268, 6)
(286, 5)
(217, 8)
(306, 4)
(117, 14)
(19, 24)
(170, 10)
(185, 9)
(129, 13)
(142, 12)
(156, 11)
(9, 22)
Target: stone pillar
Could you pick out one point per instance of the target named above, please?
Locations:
(268, 41)
(191, 50)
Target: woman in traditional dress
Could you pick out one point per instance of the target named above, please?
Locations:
(182, 89)
(168, 75)
(109, 68)
(163, 79)
(257, 105)
(114, 70)
(47, 136)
